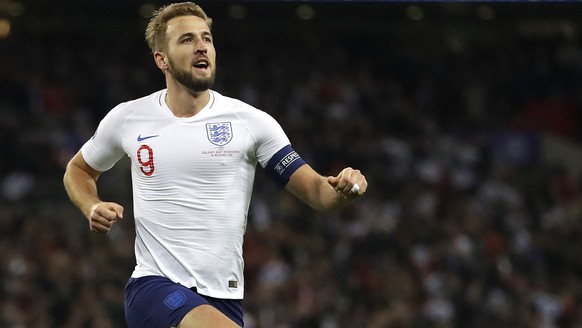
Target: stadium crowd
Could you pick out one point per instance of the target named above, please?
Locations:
(454, 231)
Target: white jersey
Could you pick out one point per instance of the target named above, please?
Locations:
(192, 183)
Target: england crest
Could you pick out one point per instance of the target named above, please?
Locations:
(219, 133)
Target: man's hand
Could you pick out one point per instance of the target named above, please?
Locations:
(349, 183)
(103, 215)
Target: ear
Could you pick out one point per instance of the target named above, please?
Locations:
(161, 60)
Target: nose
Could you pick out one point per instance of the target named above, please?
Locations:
(201, 47)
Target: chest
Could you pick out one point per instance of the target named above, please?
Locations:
(174, 148)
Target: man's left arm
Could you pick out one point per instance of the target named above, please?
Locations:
(327, 193)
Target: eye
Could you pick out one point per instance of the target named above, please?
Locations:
(187, 40)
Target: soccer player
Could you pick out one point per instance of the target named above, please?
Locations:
(193, 157)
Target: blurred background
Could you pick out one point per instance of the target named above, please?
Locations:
(465, 118)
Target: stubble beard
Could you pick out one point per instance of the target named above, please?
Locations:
(191, 82)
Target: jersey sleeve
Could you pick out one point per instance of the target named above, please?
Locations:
(270, 137)
(104, 149)
(274, 151)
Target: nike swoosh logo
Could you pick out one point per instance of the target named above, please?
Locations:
(140, 138)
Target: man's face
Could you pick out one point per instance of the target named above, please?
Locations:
(191, 54)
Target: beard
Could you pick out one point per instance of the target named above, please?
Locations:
(187, 78)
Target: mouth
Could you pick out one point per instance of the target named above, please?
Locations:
(202, 64)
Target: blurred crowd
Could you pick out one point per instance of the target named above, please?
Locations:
(453, 231)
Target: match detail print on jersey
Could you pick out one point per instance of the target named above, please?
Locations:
(283, 164)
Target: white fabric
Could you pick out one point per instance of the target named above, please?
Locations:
(191, 211)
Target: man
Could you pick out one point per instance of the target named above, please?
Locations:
(193, 156)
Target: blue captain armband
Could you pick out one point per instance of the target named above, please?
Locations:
(283, 164)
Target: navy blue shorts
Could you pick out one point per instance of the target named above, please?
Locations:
(158, 302)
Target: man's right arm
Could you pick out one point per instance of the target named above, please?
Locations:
(80, 182)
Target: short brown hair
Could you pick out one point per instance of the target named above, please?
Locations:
(155, 33)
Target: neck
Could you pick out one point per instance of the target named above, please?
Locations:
(186, 103)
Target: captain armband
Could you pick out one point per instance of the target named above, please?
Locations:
(283, 164)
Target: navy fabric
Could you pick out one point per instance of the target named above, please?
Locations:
(283, 164)
(158, 302)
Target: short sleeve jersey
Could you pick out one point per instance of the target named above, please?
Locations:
(192, 181)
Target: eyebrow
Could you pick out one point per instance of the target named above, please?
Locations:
(191, 34)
